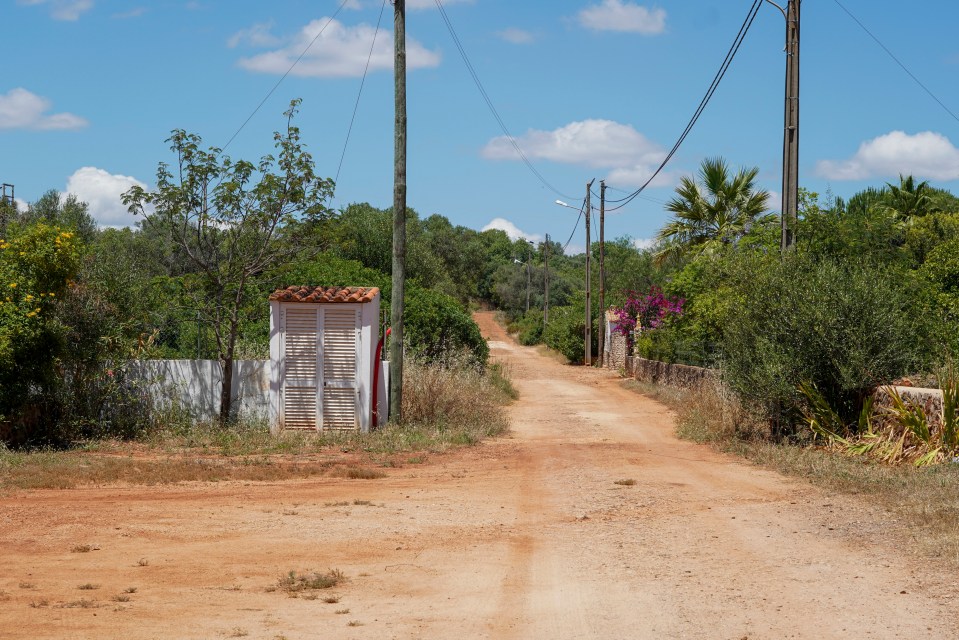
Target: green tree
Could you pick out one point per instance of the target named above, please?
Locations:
(234, 221)
(713, 211)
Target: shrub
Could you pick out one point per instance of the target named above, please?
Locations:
(529, 327)
(844, 327)
(435, 324)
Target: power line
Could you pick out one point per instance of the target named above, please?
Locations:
(358, 94)
(283, 77)
(582, 209)
(727, 61)
(489, 103)
(897, 61)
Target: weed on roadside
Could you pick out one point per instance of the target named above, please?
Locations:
(626, 482)
(89, 586)
(294, 582)
(122, 597)
(82, 548)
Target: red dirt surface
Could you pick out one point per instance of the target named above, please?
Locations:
(525, 537)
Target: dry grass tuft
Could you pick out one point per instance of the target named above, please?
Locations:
(122, 597)
(295, 583)
(331, 599)
(626, 482)
(81, 548)
(89, 586)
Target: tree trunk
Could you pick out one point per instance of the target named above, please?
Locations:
(226, 391)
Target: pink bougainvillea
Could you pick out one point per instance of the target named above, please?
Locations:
(648, 310)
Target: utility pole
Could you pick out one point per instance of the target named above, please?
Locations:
(588, 337)
(790, 205)
(602, 273)
(399, 212)
(546, 283)
(529, 259)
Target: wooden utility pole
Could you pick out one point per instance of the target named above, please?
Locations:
(546, 283)
(790, 205)
(588, 337)
(399, 212)
(602, 273)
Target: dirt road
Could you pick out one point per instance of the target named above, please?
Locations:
(526, 537)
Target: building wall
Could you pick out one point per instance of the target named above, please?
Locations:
(195, 385)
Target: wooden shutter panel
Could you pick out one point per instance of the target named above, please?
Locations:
(300, 364)
(340, 336)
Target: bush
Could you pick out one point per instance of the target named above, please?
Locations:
(845, 327)
(564, 332)
(528, 328)
(435, 325)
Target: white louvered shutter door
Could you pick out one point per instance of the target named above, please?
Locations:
(300, 376)
(340, 337)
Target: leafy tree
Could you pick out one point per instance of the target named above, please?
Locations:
(68, 212)
(234, 221)
(713, 211)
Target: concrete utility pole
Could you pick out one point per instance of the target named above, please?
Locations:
(546, 283)
(790, 214)
(399, 212)
(602, 273)
(588, 353)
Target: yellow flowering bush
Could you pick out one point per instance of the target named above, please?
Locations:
(36, 265)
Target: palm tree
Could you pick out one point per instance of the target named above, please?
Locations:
(909, 199)
(714, 211)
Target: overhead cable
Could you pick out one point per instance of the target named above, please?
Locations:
(492, 108)
(283, 77)
(358, 94)
(727, 61)
(897, 61)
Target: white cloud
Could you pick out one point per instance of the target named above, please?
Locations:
(340, 51)
(21, 109)
(515, 36)
(637, 175)
(616, 15)
(355, 5)
(644, 243)
(101, 191)
(136, 12)
(22, 205)
(259, 35)
(594, 143)
(926, 155)
(69, 10)
(514, 232)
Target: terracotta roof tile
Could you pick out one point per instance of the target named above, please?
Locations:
(322, 295)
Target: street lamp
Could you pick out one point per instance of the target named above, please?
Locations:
(529, 257)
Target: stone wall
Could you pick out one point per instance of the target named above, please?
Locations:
(930, 400)
(616, 351)
(673, 375)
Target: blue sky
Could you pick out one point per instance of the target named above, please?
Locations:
(589, 88)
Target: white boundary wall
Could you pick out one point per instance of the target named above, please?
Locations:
(195, 385)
